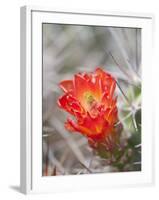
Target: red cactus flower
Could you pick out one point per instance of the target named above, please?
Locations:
(89, 97)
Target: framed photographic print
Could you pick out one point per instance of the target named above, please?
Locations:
(86, 100)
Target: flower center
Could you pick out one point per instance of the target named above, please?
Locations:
(90, 104)
(89, 98)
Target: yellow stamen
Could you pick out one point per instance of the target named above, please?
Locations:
(89, 98)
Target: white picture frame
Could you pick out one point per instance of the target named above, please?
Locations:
(31, 101)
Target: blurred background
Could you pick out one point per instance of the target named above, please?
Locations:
(69, 49)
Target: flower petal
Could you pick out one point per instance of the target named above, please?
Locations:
(80, 85)
(108, 82)
(71, 105)
(71, 125)
(66, 85)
